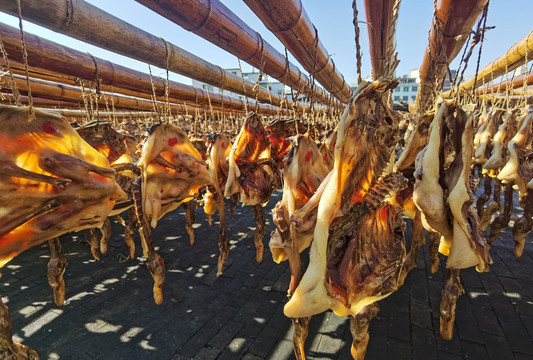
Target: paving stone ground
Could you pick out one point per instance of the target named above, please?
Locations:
(110, 313)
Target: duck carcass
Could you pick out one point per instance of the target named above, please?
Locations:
(172, 173)
(251, 173)
(358, 248)
(468, 247)
(428, 193)
(218, 151)
(302, 176)
(117, 148)
(52, 182)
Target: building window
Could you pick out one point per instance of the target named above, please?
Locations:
(413, 97)
(405, 98)
(414, 88)
(406, 88)
(396, 98)
(397, 89)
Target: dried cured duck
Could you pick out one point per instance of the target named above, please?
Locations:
(172, 173)
(280, 145)
(52, 181)
(349, 267)
(327, 148)
(484, 148)
(117, 148)
(516, 169)
(499, 143)
(469, 247)
(218, 151)
(302, 176)
(416, 138)
(428, 194)
(251, 173)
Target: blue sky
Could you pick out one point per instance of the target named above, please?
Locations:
(333, 19)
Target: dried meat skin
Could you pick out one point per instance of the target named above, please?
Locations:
(302, 176)
(428, 194)
(44, 144)
(250, 164)
(366, 136)
(469, 247)
(218, 151)
(173, 171)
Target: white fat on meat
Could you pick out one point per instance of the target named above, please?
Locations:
(462, 251)
(509, 173)
(428, 194)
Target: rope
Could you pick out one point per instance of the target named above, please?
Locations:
(357, 43)
(210, 105)
(526, 73)
(243, 87)
(12, 82)
(153, 95)
(392, 55)
(97, 80)
(260, 75)
(84, 97)
(481, 48)
(25, 56)
(167, 103)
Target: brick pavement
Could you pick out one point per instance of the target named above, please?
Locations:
(110, 314)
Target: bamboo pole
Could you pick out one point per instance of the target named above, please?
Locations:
(513, 83)
(55, 91)
(85, 22)
(216, 23)
(512, 59)
(378, 18)
(9, 98)
(58, 59)
(71, 113)
(290, 23)
(455, 20)
(65, 80)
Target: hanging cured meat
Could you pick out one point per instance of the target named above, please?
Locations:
(251, 173)
(120, 152)
(218, 152)
(302, 176)
(349, 267)
(52, 181)
(172, 173)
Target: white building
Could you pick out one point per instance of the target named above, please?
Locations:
(276, 87)
(408, 86)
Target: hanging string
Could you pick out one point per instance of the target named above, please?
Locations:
(12, 83)
(526, 72)
(442, 53)
(25, 57)
(480, 49)
(84, 97)
(115, 119)
(243, 87)
(153, 95)
(97, 86)
(259, 76)
(357, 43)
